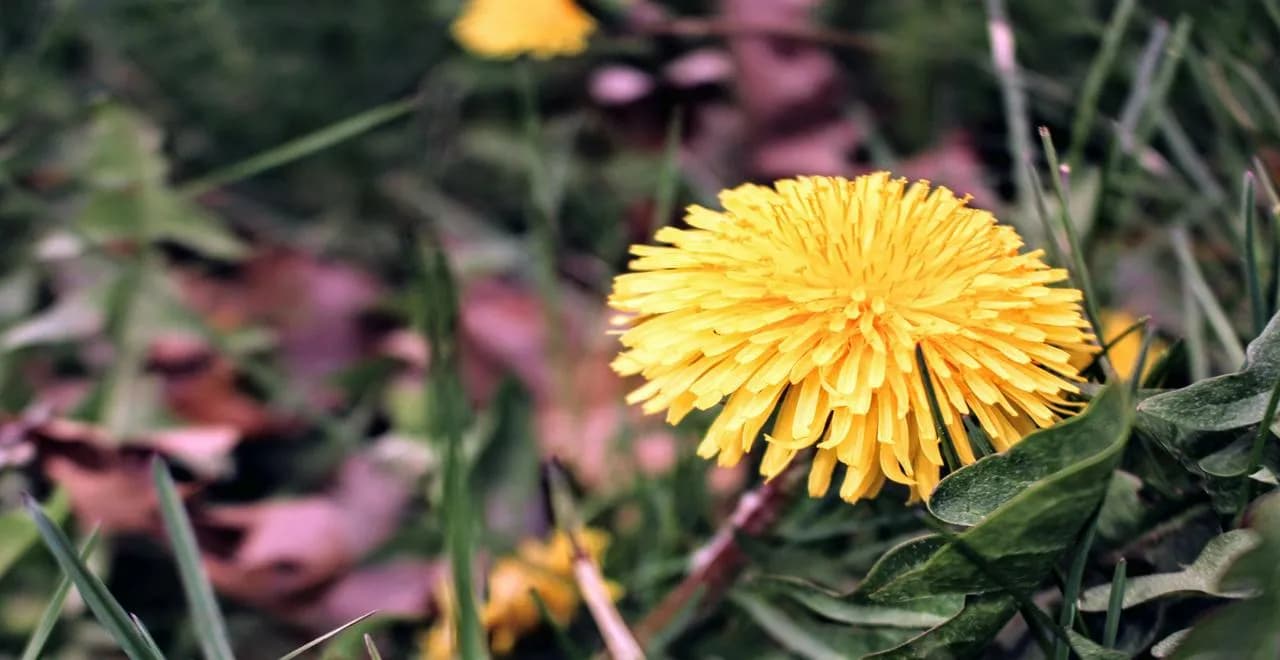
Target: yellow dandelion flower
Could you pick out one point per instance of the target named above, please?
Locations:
(509, 28)
(809, 299)
(509, 611)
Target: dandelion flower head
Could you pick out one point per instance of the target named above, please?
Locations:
(509, 28)
(806, 301)
(509, 610)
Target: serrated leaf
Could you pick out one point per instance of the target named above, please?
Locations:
(969, 495)
(1122, 510)
(1202, 577)
(1245, 630)
(1236, 459)
(920, 613)
(964, 635)
(1186, 420)
(1021, 536)
(1087, 649)
(811, 638)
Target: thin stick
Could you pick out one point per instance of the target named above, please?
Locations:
(618, 639)
(1203, 294)
(716, 565)
(1003, 58)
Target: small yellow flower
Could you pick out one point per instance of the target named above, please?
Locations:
(809, 298)
(509, 611)
(509, 28)
(1124, 353)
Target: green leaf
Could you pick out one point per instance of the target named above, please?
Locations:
(206, 618)
(18, 531)
(1122, 511)
(809, 638)
(1186, 420)
(1087, 649)
(1026, 506)
(104, 606)
(1202, 577)
(964, 635)
(919, 613)
(437, 312)
(784, 629)
(1245, 630)
(128, 197)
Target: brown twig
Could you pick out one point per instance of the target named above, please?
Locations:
(704, 27)
(716, 565)
(618, 639)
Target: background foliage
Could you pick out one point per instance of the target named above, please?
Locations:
(291, 295)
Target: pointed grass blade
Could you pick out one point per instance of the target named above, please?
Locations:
(206, 617)
(1252, 260)
(1115, 605)
(371, 648)
(49, 618)
(296, 653)
(106, 609)
(301, 147)
(437, 310)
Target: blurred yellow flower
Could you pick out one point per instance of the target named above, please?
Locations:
(509, 610)
(1124, 353)
(509, 28)
(809, 298)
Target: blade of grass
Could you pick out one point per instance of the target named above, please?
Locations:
(1261, 91)
(664, 197)
(1169, 66)
(1071, 590)
(106, 609)
(1193, 325)
(949, 453)
(1017, 117)
(1051, 240)
(1080, 277)
(1140, 366)
(1264, 430)
(301, 147)
(1249, 253)
(1037, 621)
(1203, 294)
(1143, 87)
(49, 618)
(1087, 110)
(1106, 348)
(146, 635)
(1185, 153)
(1115, 605)
(206, 617)
(437, 307)
(371, 648)
(326, 637)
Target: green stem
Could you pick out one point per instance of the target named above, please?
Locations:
(1115, 605)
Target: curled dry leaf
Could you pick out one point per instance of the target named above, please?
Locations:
(267, 553)
(791, 93)
(107, 480)
(315, 308)
(397, 588)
